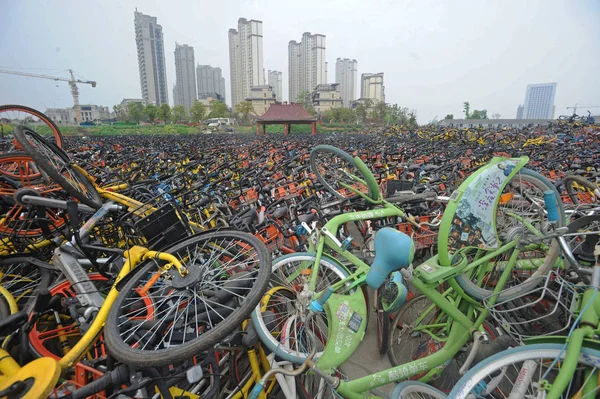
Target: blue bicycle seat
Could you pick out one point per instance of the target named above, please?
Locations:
(394, 250)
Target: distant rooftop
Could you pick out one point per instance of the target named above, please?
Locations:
(286, 113)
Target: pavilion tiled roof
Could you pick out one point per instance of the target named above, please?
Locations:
(286, 113)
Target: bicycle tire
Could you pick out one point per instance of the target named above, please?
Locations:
(15, 164)
(57, 165)
(416, 390)
(548, 352)
(480, 293)
(574, 194)
(205, 244)
(264, 333)
(22, 285)
(343, 159)
(57, 137)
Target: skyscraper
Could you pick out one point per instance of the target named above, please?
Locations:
(275, 83)
(151, 59)
(210, 81)
(371, 86)
(293, 70)
(345, 75)
(307, 66)
(539, 101)
(520, 112)
(245, 59)
(185, 76)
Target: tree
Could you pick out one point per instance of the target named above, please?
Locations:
(412, 118)
(361, 113)
(496, 116)
(466, 108)
(164, 113)
(179, 113)
(380, 111)
(479, 114)
(151, 111)
(218, 109)
(397, 115)
(304, 98)
(245, 108)
(449, 116)
(135, 111)
(311, 110)
(197, 112)
(120, 113)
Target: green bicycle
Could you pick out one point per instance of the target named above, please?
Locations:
(550, 367)
(489, 247)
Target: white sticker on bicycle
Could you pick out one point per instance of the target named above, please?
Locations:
(474, 220)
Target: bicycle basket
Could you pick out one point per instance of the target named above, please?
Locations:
(163, 227)
(547, 309)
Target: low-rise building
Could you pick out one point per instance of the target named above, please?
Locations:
(261, 97)
(89, 113)
(133, 100)
(60, 115)
(326, 96)
(368, 103)
(207, 98)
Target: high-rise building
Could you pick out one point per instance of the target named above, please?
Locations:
(245, 59)
(293, 70)
(185, 76)
(539, 101)
(210, 81)
(371, 87)
(151, 59)
(307, 66)
(520, 112)
(275, 83)
(345, 76)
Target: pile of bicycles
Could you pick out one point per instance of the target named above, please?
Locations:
(235, 266)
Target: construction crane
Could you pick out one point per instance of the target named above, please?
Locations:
(72, 82)
(574, 108)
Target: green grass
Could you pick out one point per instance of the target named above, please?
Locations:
(116, 130)
(128, 129)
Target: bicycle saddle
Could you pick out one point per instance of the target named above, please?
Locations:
(12, 323)
(394, 250)
(414, 166)
(279, 212)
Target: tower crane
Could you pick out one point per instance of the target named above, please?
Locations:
(574, 108)
(72, 82)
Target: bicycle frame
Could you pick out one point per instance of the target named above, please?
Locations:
(467, 318)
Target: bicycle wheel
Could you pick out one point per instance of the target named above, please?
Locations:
(518, 372)
(416, 390)
(13, 115)
(581, 191)
(333, 166)
(523, 197)
(23, 278)
(19, 170)
(160, 317)
(57, 165)
(583, 244)
(410, 338)
(285, 337)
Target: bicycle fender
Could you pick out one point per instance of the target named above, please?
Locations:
(469, 218)
(347, 318)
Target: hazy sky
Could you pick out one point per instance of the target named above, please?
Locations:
(435, 53)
